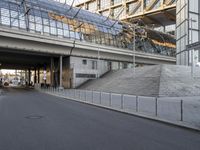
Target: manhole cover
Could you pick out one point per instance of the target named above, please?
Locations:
(34, 117)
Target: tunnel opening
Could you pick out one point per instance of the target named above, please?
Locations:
(30, 69)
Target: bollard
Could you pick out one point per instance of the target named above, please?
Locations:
(156, 106)
(75, 93)
(137, 104)
(181, 110)
(110, 100)
(85, 96)
(100, 97)
(92, 96)
(122, 101)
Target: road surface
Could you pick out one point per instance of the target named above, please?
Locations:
(30, 120)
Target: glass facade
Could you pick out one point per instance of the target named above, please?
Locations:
(51, 18)
(187, 29)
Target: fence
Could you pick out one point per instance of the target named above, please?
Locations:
(181, 110)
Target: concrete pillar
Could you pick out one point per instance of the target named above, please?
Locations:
(35, 76)
(52, 71)
(61, 69)
(38, 76)
(26, 77)
(29, 76)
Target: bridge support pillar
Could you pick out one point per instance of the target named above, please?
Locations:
(38, 80)
(29, 77)
(26, 77)
(52, 72)
(61, 69)
(35, 76)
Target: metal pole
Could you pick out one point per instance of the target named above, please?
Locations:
(156, 106)
(100, 97)
(85, 95)
(92, 97)
(181, 110)
(110, 100)
(136, 103)
(134, 50)
(192, 50)
(26, 15)
(122, 101)
(61, 65)
(98, 63)
(52, 72)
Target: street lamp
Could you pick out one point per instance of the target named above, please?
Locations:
(134, 46)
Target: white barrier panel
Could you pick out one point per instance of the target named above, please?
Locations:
(116, 101)
(105, 99)
(191, 112)
(169, 108)
(82, 95)
(89, 96)
(147, 105)
(129, 103)
(96, 97)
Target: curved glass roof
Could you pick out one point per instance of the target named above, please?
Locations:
(48, 17)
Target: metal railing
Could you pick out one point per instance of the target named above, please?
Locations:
(175, 110)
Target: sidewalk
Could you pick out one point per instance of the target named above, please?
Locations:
(168, 109)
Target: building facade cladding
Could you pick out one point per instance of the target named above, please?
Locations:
(51, 18)
(187, 30)
(149, 11)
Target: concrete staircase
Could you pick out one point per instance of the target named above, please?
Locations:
(124, 81)
(158, 80)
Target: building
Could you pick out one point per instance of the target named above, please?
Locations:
(159, 14)
(187, 31)
(52, 19)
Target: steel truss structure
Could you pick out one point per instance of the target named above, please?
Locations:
(159, 12)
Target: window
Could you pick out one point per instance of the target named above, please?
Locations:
(94, 65)
(81, 75)
(84, 62)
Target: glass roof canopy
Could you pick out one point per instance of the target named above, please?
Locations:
(51, 18)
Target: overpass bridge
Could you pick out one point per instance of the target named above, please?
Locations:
(60, 53)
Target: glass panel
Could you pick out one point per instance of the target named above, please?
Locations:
(104, 3)
(117, 1)
(5, 12)
(5, 20)
(14, 22)
(194, 6)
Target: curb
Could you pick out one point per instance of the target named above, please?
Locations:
(176, 124)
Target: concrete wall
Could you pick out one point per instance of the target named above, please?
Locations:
(96, 68)
(86, 66)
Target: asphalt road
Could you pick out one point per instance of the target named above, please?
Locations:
(34, 121)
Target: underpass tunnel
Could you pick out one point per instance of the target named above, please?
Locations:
(37, 68)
